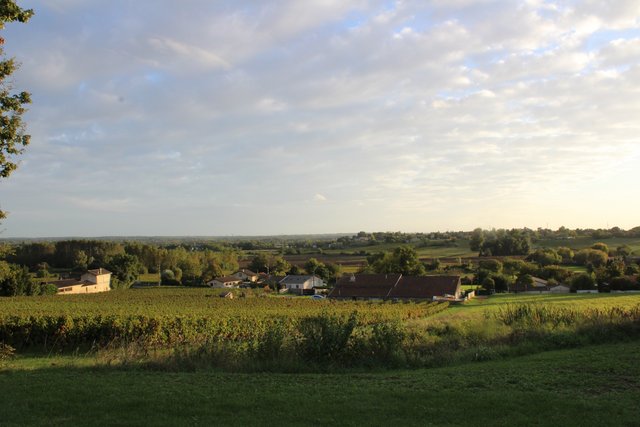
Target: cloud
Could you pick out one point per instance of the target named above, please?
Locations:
(410, 115)
(182, 52)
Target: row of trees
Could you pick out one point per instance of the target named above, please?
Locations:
(126, 260)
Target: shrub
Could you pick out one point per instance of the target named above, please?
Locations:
(268, 344)
(325, 338)
(386, 341)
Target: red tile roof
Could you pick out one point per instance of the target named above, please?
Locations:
(364, 286)
(395, 286)
(426, 287)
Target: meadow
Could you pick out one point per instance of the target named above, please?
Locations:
(590, 386)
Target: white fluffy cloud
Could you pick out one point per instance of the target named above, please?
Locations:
(230, 117)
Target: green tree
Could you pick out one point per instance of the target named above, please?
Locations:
(601, 247)
(491, 265)
(502, 282)
(545, 256)
(566, 254)
(477, 239)
(595, 257)
(506, 242)
(12, 106)
(525, 281)
(15, 280)
(313, 265)
(489, 284)
(125, 269)
(280, 266)
(80, 260)
(403, 259)
(260, 263)
(624, 251)
(583, 281)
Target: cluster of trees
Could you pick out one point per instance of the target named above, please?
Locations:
(276, 265)
(605, 267)
(403, 259)
(500, 242)
(16, 280)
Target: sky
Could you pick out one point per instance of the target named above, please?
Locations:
(325, 116)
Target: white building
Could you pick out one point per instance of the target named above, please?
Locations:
(301, 285)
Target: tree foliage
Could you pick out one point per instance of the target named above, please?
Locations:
(501, 242)
(403, 259)
(595, 257)
(545, 256)
(13, 139)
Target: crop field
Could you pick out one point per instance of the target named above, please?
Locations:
(162, 317)
(197, 302)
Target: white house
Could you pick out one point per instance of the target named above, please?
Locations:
(301, 285)
(224, 282)
(98, 280)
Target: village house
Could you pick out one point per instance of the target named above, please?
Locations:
(98, 280)
(300, 284)
(224, 282)
(246, 275)
(397, 286)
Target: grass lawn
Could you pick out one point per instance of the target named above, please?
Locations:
(586, 242)
(598, 385)
(149, 277)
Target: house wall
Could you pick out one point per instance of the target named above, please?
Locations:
(102, 280)
(218, 284)
(86, 289)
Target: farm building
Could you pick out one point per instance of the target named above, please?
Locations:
(98, 280)
(300, 284)
(246, 275)
(537, 287)
(397, 286)
(224, 282)
(365, 286)
(560, 289)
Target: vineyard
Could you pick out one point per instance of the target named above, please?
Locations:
(167, 317)
(182, 328)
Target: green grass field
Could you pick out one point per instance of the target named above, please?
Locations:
(149, 278)
(592, 386)
(586, 242)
